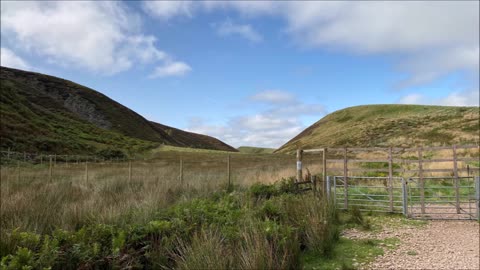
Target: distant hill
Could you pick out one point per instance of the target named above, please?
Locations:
(391, 125)
(255, 150)
(48, 114)
(193, 140)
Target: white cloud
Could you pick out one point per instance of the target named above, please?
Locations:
(246, 31)
(171, 69)
(10, 59)
(457, 98)
(412, 99)
(273, 96)
(432, 38)
(167, 9)
(102, 37)
(270, 128)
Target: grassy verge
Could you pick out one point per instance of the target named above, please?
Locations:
(263, 227)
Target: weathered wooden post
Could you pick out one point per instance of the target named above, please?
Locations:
(421, 180)
(228, 172)
(390, 178)
(345, 178)
(299, 165)
(455, 174)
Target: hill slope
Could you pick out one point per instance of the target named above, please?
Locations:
(48, 114)
(391, 125)
(193, 140)
(255, 150)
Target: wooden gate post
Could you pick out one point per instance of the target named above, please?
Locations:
(455, 174)
(390, 178)
(299, 165)
(422, 182)
(345, 178)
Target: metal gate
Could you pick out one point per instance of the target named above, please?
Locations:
(443, 197)
(373, 194)
(425, 198)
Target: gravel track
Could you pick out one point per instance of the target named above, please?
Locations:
(437, 245)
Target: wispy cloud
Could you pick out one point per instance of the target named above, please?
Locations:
(228, 28)
(457, 98)
(9, 59)
(272, 127)
(170, 69)
(101, 37)
(433, 38)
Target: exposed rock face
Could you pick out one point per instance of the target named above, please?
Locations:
(86, 110)
(69, 97)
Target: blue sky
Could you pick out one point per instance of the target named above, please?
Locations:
(251, 73)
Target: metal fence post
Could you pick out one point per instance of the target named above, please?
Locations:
(328, 187)
(404, 198)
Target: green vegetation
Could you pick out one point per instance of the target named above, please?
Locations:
(347, 254)
(391, 125)
(255, 150)
(239, 229)
(46, 114)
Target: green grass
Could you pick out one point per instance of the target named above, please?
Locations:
(391, 125)
(347, 254)
(240, 228)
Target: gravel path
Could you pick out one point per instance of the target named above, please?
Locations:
(437, 245)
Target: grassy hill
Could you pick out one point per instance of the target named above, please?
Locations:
(391, 125)
(255, 150)
(48, 114)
